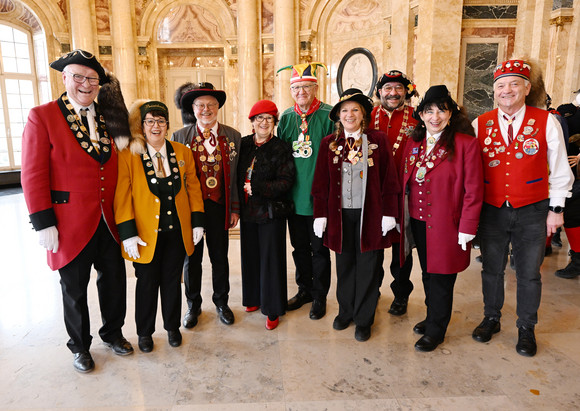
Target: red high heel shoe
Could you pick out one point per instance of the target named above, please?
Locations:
(252, 309)
(271, 324)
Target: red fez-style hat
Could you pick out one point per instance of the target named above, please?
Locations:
(517, 68)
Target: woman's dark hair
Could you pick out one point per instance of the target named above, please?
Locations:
(458, 123)
(159, 113)
(364, 124)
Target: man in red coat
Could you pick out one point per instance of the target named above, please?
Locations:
(69, 175)
(526, 181)
(395, 118)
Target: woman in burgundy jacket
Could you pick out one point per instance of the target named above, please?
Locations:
(442, 179)
(355, 192)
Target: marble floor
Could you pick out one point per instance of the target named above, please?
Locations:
(302, 365)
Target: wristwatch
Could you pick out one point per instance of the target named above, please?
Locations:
(557, 209)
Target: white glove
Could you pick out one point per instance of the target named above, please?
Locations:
(463, 239)
(319, 226)
(388, 224)
(132, 248)
(197, 234)
(48, 238)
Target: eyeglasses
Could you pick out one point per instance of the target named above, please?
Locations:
(306, 88)
(209, 106)
(260, 118)
(398, 88)
(151, 122)
(93, 81)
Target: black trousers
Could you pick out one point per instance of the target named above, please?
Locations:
(104, 253)
(216, 237)
(263, 250)
(161, 276)
(438, 287)
(311, 257)
(357, 277)
(401, 284)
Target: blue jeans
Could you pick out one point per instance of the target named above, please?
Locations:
(525, 228)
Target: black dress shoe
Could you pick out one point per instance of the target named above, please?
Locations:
(318, 309)
(399, 306)
(83, 362)
(174, 337)
(419, 328)
(225, 314)
(298, 300)
(146, 343)
(426, 343)
(362, 333)
(120, 346)
(190, 317)
(526, 345)
(486, 329)
(340, 324)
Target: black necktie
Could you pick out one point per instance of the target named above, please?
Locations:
(85, 119)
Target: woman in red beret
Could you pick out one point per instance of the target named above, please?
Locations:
(266, 174)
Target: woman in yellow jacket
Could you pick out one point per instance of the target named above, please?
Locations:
(159, 213)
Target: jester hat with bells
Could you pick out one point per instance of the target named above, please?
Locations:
(304, 71)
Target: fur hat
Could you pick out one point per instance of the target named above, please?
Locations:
(138, 142)
(112, 107)
(186, 117)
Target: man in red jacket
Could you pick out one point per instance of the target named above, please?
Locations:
(69, 175)
(526, 180)
(394, 117)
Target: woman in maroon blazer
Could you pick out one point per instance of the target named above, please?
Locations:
(442, 179)
(355, 193)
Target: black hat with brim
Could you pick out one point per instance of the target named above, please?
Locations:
(352, 94)
(436, 94)
(205, 89)
(84, 58)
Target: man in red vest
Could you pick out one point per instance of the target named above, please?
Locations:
(394, 117)
(526, 180)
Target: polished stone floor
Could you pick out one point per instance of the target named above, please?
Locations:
(302, 365)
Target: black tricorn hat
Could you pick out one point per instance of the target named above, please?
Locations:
(205, 89)
(84, 58)
(352, 94)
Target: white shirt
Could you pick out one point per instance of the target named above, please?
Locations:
(435, 137)
(163, 152)
(560, 177)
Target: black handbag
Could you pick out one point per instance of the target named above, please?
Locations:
(280, 208)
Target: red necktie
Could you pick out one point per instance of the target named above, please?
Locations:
(510, 129)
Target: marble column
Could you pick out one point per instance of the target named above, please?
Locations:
(555, 72)
(285, 50)
(571, 80)
(249, 60)
(533, 25)
(124, 43)
(402, 23)
(438, 45)
(83, 25)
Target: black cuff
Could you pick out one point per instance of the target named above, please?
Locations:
(127, 229)
(43, 219)
(197, 219)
